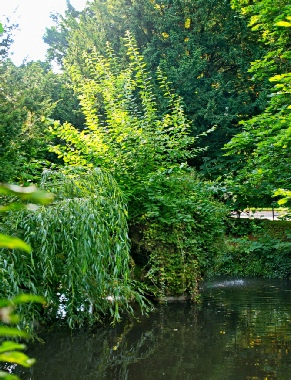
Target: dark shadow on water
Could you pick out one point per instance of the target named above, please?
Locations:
(241, 330)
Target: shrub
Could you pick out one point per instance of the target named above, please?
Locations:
(256, 248)
(178, 231)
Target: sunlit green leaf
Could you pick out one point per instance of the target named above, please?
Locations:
(15, 206)
(27, 193)
(282, 201)
(10, 346)
(12, 207)
(13, 332)
(17, 358)
(283, 23)
(13, 243)
(4, 303)
(24, 298)
(8, 376)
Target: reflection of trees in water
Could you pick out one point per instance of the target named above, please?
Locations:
(233, 334)
(88, 355)
(180, 335)
(134, 349)
(261, 339)
(114, 362)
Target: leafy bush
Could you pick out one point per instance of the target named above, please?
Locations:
(242, 226)
(256, 248)
(127, 132)
(179, 230)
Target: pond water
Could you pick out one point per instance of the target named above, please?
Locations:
(240, 330)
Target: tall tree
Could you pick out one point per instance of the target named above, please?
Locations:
(207, 60)
(263, 147)
(67, 107)
(57, 37)
(6, 37)
(24, 106)
(204, 46)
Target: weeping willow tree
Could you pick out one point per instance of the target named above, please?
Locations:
(80, 251)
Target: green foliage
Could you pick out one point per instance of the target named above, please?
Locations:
(28, 193)
(256, 248)
(280, 230)
(262, 258)
(142, 137)
(67, 107)
(126, 132)
(6, 37)
(206, 59)
(285, 194)
(11, 352)
(179, 231)
(264, 151)
(24, 106)
(13, 243)
(202, 45)
(57, 37)
(263, 148)
(239, 227)
(30, 95)
(80, 251)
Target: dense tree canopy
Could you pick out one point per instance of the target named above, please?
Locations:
(30, 95)
(204, 47)
(24, 106)
(264, 145)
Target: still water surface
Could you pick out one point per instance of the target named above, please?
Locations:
(241, 330)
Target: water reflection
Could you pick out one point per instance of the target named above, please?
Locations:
(240, 330)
